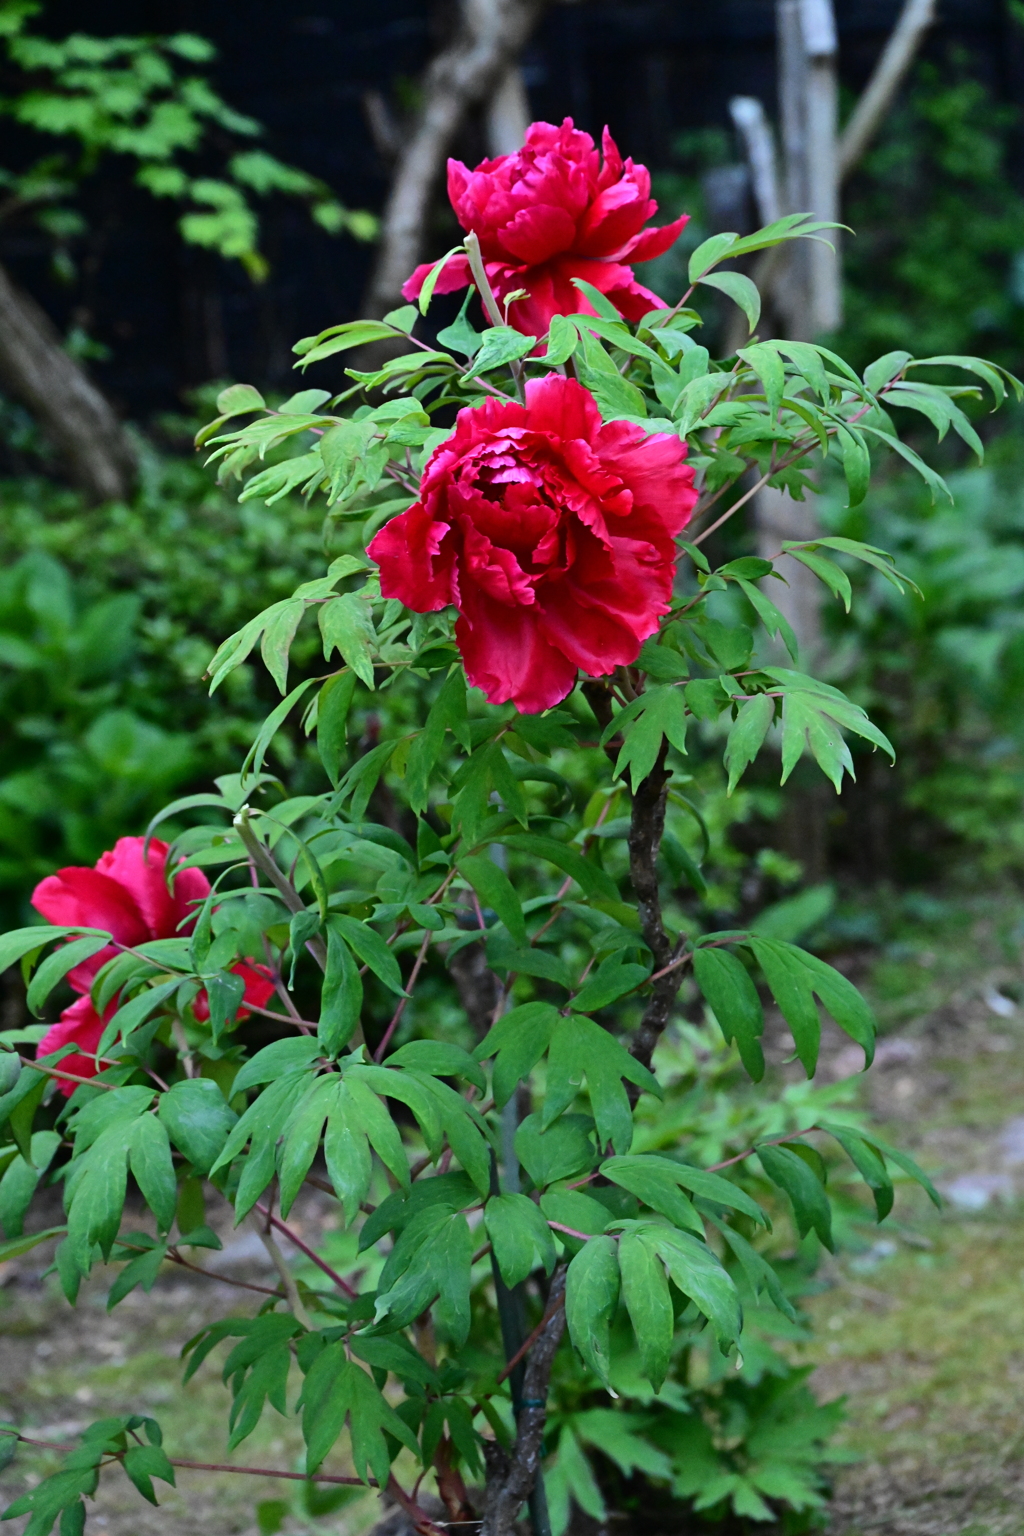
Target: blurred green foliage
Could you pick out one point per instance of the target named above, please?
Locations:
(108, 617)
(936, 262)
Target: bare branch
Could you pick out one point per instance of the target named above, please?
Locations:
(490, 35)
(881, 90)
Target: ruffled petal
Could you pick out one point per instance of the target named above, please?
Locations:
(415, 557)
(538, 233)
(654, 242)
(507, 657)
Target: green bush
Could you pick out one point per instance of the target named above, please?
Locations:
(108, 617)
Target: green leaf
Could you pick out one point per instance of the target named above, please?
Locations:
(520, 1237)
(56, 966)
(495, 890)
(519, 1039)
(741, 290)
(591, 1296)
(372, 950)
(16, 1246)
(656, 714)
(460, 335)
(430, 281)
(448, 712)
(589, 877)
(746, 737)
(346, 625)
(807, 1197)
(302, 1137)
(727, 986)
(277, 641)
(271, 1062)
(340, 338)
(649, 1304)
(144, 1462)
(774, 622)
(601, 304)
(700, 1275)
(500, 345)
(561, 1151)
(335, 1389)
(333, 704)
(653, 1180)
(869, 1164)
(856, 463)
(269, 729)
(612, 979)
(152, 1168)
(580, 1048)
(827, 571)
(341, 1001)
(563, 339)
(763, 357)
(709, 253)
(440, 1058)
(759, 1273)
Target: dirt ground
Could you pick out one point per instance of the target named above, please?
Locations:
(922, 1329)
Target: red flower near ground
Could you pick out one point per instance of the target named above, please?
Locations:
(126, 894)
(554, 211)
(551, 531)
(78, 1025)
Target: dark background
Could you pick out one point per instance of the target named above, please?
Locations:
(174, 316)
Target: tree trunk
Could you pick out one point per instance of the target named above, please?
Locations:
(94, 449)
(490, 35)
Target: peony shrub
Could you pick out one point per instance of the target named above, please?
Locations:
(472, 946)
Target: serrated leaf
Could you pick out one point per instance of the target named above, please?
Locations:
(658, 713)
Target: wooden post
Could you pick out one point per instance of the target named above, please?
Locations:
(808, 293)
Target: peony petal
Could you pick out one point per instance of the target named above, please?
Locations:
(79, 896)
(507, 657)
(413, 566)
(495, 571)
(562, 407)
(454, 275)
(655, 470)
(538, 233)
(654, 242)
(143, 874)
(78, 1025)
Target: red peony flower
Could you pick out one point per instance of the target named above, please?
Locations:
(551, 532)
(128, 895)
(78, 1025)
(552, 212)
